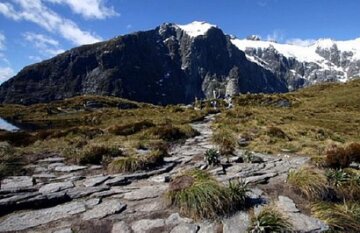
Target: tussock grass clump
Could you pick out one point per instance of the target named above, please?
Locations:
(91, 154)
(340, 217)
(10, 162)
(311, 182)
(225, 140)
(170, 132)
(132, 163)
(131, 128)
(199, 196)
(269, 220)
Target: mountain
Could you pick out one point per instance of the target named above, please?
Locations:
(178, 63)
(323, 60)
(169, 64)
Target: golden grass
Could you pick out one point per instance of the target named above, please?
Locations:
(311, 182)
(340, 217)
(318, 116)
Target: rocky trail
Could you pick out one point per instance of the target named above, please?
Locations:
(66, 198)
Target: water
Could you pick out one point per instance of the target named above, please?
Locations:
(5, 125)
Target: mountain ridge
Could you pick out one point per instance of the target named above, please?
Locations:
(177, 63)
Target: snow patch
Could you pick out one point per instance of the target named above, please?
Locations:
(196, 28)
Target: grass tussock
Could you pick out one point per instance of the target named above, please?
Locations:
(269, 220)
(91, 154)
(170, 132)
(10, 162)
(131, 128)
(133, 163)
(343, 217)
(311, 182)
(199, 196)
(225, 140)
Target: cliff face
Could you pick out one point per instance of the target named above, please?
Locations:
(161, 66)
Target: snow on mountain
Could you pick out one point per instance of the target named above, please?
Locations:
(196, 28)
(301, 65)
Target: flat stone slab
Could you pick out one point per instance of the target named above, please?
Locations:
(52, 160)
(286, 204)
(185, 228)
(29, 219)
(15, 183)
(70, 168)
(145, 192)
(56, 187)
(145, 225)
(79, 192)
(120, 227)
(237, 223)
(104, 209)
(95, 180)
(304, 223)
(259, 179)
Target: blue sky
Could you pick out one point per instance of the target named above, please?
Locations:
(33, 30)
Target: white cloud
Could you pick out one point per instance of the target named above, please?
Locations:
(129, 26)
(301, 42)
(35, 58)
(6, 73)
(2, 41)
(276, 35)
(35, 11)
(89, 8)
(46, 45)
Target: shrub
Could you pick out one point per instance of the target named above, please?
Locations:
(269, 220)
(211, 157)
(200, 196)
(340, 217)
(276, 132)
(353, 152)
(10, 162)
(225, 140)
(131, 128)
(311, 182)
(336, 157)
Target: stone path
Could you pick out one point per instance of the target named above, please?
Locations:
(62, 198)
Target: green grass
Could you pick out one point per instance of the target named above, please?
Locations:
(269, 220)
(340, 217)
(199, 196)
(311, 182)
(225, 140)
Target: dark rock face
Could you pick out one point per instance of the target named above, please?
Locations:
(160, 66)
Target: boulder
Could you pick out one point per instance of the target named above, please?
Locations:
(56, 187)
(237, 223)
(145, 225)
(185, 228)
(120, 227)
